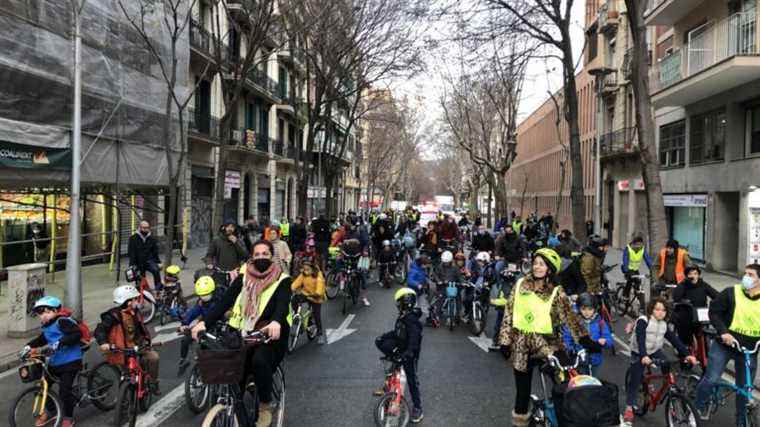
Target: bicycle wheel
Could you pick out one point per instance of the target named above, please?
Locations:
(126, 405)
(680, 412)
(478, 322)
(25, 408)
(332, 287)
(452, 314)
(220, 416)
(355, 288)
(388, 415)
(311, 328)
(148, 310)
(147, 399)
(623, 304)
(103, 385)
(196, 392)
(642, 397)
(294, 334)
(278, 397)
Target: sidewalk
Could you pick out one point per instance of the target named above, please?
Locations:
(98, 286)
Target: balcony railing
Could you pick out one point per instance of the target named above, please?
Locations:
(278, 148)
(707, 45)
(291, 151)
(608, 19)
(261, 79)
(622, 141)
(202, 40)
(202, 124)
(248, 138)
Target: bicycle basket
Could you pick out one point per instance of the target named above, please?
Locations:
(30, 372)
(221, 366)
(590, 405)
(451, 291)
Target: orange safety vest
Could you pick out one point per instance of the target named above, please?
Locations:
(680, 267)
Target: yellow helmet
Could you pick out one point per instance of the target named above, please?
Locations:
(551, 256)
(173, 270)
(204, 286)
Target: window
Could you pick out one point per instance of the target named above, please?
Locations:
(672, 143)
(753, 129)
(592, 44)
(708, 137)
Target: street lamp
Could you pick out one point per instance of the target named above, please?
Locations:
(599, 73)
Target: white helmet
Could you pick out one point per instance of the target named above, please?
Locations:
(483, 256)
(382, 216)
(447, 256)
(124, 293)
(386, 242)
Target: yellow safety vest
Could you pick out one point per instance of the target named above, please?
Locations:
(517, 225)
(531, 313)
(501, 301)
(635, 258)
(236, 320)
(285, 229)
(746, 319)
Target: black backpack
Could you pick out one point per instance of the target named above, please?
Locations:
(587, 406)
(571, 279)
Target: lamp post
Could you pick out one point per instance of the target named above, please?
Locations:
(599, 73)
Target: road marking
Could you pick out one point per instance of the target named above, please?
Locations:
(482, 341)
(172, 325)
(334, 335)
(163, 409)
(9, 372)
(165, 338)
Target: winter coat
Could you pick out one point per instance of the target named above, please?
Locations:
(509, 247)
(597, 329)
(225, 254)
(483, 243)
(142, 249)
(591, 270)
(311, 287)
(417, 277)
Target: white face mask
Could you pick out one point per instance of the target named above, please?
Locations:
(748, 282)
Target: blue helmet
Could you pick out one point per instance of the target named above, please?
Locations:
(47, 301)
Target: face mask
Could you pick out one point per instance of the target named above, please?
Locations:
(748, 282)
(262, 264)
(206, 298)
(144, 233)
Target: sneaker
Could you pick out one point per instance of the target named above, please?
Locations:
(417, 415)
(703, 414)
(321, 339)
(628, 416)
(365, 301)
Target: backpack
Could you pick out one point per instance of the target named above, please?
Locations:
(84, 329)
(592, 405)
(571, 279)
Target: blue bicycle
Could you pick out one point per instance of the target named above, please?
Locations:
(450, 306)
(722, 389)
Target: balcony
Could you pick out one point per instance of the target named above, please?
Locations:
(265, 84)
(202, 126)
(668, 12)
(609, 19)
(610, 84)
(621, 142)
(278, 148)
(249, 140)
(291, 154)
(717, 57)
(241, 10)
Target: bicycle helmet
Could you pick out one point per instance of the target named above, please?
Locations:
(124, 293)
(447, 257)
(409, 242)
(406, 299)
(551, 257)
(47, 302)
(172, 273)
(386, 243)
(204, 286)
(586, 300)
(483, 256)
(597, 241)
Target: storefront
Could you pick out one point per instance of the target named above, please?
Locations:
(231, 195)
(686, 221)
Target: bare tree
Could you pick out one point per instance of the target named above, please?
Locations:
(563, 154)
(165, 44)
(650, 165)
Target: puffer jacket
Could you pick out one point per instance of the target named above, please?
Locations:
(597, 329)
(417, 277)
(313, 288)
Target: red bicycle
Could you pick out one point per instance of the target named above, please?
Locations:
(135, 394)
(147, 300)
(679, 410)
(393, 409)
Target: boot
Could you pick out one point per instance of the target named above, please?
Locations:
(265, 415)
(520, 420)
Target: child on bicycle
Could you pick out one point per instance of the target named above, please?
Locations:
(62, 335)
(647, 340)
(204, 289)
(598, 330)
(310, 284)
(405, 342)
(387, 257)
(123, 326)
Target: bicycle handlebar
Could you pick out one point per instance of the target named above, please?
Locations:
(736, 345)
(580, 357)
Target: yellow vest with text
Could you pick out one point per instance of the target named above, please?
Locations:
(746, 319)
(236, 320)
(635, 258)
(531, 313)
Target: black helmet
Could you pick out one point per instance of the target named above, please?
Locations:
(586, 300)
(597, 241)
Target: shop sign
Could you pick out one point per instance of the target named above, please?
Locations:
(231, 180)
(316, 192)
(625, 185)
(754, 235)
(685, 200)
(14, 155)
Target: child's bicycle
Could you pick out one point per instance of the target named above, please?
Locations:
(171, 304)
(543, 412)
(393, 409)
(303, 321)
(135, 394)
(679, 410)
(147, 300)
(450, 306)
(38, 405)
(722, 389)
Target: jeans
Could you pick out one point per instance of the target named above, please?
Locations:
(717, 359)
(637, 375)
(66, 375)
(152, 268)
(410, 368)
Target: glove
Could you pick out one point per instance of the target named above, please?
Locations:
(590, 345)
(25, 351)
(54, 346)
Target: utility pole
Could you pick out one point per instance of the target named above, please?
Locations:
(73, 292)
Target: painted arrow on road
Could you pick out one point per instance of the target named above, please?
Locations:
(482, 341)
(342, 331)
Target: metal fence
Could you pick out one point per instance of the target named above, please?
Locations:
(619, 142)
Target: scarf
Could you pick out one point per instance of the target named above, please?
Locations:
(254, 284)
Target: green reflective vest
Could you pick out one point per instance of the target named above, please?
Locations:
(236, 320)
(746, 319)
(285, 229)
(635, 258)
(517, 226)
(531, 313)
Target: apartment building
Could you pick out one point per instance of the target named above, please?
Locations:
(705, 79)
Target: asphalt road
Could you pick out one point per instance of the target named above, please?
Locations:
(331, 385)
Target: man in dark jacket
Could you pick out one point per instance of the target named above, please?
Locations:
(252, 232)
(297, 235)
(482, 241)
(143, 253)
(226, 251)
(695, 291)
(735, 314)
(509, 246)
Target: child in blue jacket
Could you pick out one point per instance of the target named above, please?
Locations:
(417, 276)
(598, 331)
(204, 289)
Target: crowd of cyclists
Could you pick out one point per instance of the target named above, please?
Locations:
(549, 292)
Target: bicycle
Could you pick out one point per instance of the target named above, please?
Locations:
(302, 322)
(348, 282)
(450, 306)
(224, 368)
(170, 302)
(147, 300)
(722, 389)
(630, 298)
(90, 386)
(478, 307)
(679, 410)
(543, 412)
(384, 276)
(135, 394)
(393, 408)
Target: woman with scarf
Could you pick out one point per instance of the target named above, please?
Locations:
(534, 314)
(260, 300)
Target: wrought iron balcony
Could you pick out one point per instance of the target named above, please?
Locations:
(619, 143)
(202, 124)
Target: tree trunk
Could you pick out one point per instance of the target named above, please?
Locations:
(169, 230)
(650, 163)
(490, 205)
(218, 210)
(522, 197)
(558, 201)
(500, 194)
